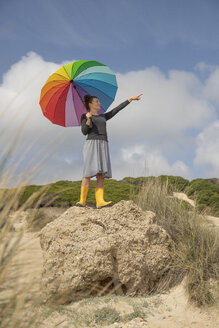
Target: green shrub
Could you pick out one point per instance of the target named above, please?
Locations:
(106, 315)
(137, 313)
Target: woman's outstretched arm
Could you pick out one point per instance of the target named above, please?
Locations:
(115, 110)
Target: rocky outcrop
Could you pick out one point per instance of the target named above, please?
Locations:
(89, 252)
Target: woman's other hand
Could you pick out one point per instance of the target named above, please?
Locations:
(88, 115)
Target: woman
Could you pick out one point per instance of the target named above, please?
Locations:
(96, 149)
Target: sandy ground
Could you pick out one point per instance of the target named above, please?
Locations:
(166, 310)
(183, 196)
(212, 219)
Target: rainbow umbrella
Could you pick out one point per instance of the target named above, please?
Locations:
(62, 95)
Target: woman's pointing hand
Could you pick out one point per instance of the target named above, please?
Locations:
(135, 98)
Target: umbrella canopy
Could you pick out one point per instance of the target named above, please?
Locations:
(62, 96)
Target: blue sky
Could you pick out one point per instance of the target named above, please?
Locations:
(126, 34)
(170, 45)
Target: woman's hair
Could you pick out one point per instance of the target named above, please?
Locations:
(88, 99)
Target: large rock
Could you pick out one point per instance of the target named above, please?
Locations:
(88, 252)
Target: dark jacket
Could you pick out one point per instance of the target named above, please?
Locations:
(97, 127)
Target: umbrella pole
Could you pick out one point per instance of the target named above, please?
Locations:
(78, 94)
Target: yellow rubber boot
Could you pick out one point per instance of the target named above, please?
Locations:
(100, 202)
(82, 202)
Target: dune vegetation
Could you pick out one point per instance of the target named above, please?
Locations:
(65, 193)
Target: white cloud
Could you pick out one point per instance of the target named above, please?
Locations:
(207, 152)
(169, 105)
(211, 90)
(160, 129)
(144, 160)
(203, 67)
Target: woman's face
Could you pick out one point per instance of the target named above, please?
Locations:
(95, 104)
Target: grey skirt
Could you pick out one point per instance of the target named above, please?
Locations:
(96, 158)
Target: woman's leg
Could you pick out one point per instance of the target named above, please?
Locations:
(84, 190)
(100, 181)
(99, 192)
(86, 182)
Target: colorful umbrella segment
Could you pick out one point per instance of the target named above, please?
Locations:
(62, 96)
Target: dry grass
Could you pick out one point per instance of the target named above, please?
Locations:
(195, 253)
(18, 304)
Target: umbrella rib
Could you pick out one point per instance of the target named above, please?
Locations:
(77, 114)
(51, 98)
(54, 92)
(84, 74)
(96, 89)
(62, 76)
(100, 81)
(85, 63)
(97, 80)
(55, 86)
(57, 102)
